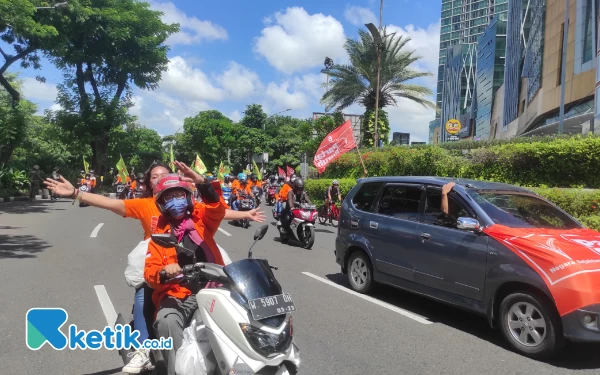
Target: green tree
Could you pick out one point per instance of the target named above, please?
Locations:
(138, 145)
(106, 48)
(254, 117)
(14, 121)
(209, 134)
(368, 128)
(357, 81)
(27, 31)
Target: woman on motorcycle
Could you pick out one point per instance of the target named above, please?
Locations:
(144, 210)
(194, 224)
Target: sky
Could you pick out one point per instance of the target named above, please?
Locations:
(234, 53)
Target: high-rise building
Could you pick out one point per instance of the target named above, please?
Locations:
(434, 131)
(463, 22)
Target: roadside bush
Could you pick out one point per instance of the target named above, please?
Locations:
(13, 179)
(561, 162)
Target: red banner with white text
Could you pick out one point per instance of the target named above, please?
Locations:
(280, 172)
(290, 170)
(567, 260)
(335, 144)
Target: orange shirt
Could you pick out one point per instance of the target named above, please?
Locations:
(134, 184)
(258, 183)
(283, 193)
(145, 210)
(120, 180)
(86, 182)
(238, 188)
(207, 218)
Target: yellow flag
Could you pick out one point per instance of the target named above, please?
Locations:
(86, 166)
(199, 166)
(122, 168)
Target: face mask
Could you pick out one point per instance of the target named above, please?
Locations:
(177, 207)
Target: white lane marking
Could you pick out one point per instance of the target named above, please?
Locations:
(107, 307)
(400, 311)
(224, 232)
(96, 230)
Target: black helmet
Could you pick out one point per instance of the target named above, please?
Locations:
(253, 177)
(298, 184)
(56, 169)
(140, 176)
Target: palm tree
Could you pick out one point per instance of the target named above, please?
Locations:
(357, 82)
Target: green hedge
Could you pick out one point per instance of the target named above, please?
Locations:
(562, 162)
(581, 204)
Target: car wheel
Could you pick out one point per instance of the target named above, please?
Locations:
(531, 325)
(360, 272)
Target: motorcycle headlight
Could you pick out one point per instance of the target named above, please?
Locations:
(305, 215)
(268, 344)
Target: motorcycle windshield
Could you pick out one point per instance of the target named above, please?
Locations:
(253, 278)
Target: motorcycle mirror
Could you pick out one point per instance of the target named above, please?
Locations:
(165, 240)
(260, 232)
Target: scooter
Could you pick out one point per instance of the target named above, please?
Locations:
(257, 192)
(121, 190)
(246, 204)
(302, 225)
(271, 192)
(248, 318)
(84, 189)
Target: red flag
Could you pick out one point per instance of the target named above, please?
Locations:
(335, 144)
(281, 172)
(290, 170)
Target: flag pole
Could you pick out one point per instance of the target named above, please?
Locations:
(362, 162)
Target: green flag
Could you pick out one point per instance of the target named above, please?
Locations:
(221, 172)
(122, 168)
(199, 166)
(172, 160)
(86, 166)
(257, 171)
(226, 169)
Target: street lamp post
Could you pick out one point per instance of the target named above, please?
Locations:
(55, 6)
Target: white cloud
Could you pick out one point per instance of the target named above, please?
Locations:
(239, 81)
(426, 43)
(409, 117)
(38, 91)
(311, 84)
(192, 30)
(136, 110)
(359, 16)
(285, 99)
(185, 81)
(235, 116)
(55, 107)
(298, 40)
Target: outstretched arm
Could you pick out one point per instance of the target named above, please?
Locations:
(65, 189)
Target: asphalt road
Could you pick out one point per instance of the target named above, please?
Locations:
(48, 259)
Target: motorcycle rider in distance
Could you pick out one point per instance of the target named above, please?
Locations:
(332, 192)
(296, 196)
(283, 195)
(55, 176)
(194, 225)
(86, 180)
(241, 187)
(94, 181)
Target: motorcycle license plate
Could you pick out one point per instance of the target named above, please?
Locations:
(266, 307)
(120, 189)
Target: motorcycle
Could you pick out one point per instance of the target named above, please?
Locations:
(121, 190)
(85, 188)
(271, 192)
(248, 317)
(257, 195)
(302, 225)
(246, 203)
(226, 193)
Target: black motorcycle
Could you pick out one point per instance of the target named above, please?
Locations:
(245, 203)
(257, 193)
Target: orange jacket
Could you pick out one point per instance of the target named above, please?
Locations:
(238, 188)
(207, 218)
(283, 193)
(252, 184)
(87, 182)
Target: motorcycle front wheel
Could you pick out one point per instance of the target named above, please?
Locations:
(245, 223)
(307, 236)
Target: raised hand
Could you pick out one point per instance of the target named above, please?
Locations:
(62, 187)
(256, 215)
(189, 173)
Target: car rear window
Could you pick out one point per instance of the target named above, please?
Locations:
(365, 196)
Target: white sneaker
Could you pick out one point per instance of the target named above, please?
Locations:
(138, 363)
(279, 223)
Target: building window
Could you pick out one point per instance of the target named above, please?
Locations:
(588, 28)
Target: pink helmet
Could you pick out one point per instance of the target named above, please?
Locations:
(168, 182)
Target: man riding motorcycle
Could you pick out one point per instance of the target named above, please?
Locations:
(139, 184)
(94, 181)
(296, 196)
(241, 187)
(283, 193)
(55, 176)
(194, 225)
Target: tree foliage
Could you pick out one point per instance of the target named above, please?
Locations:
(106, 48)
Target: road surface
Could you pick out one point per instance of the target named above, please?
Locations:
(55, 254)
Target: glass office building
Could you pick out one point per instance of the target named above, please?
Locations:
(463, 22)
(490, 73)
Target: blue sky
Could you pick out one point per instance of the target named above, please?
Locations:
(230, 54)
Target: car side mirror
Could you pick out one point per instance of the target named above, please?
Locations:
(260, 232)
(165, 240)
(468, 223)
